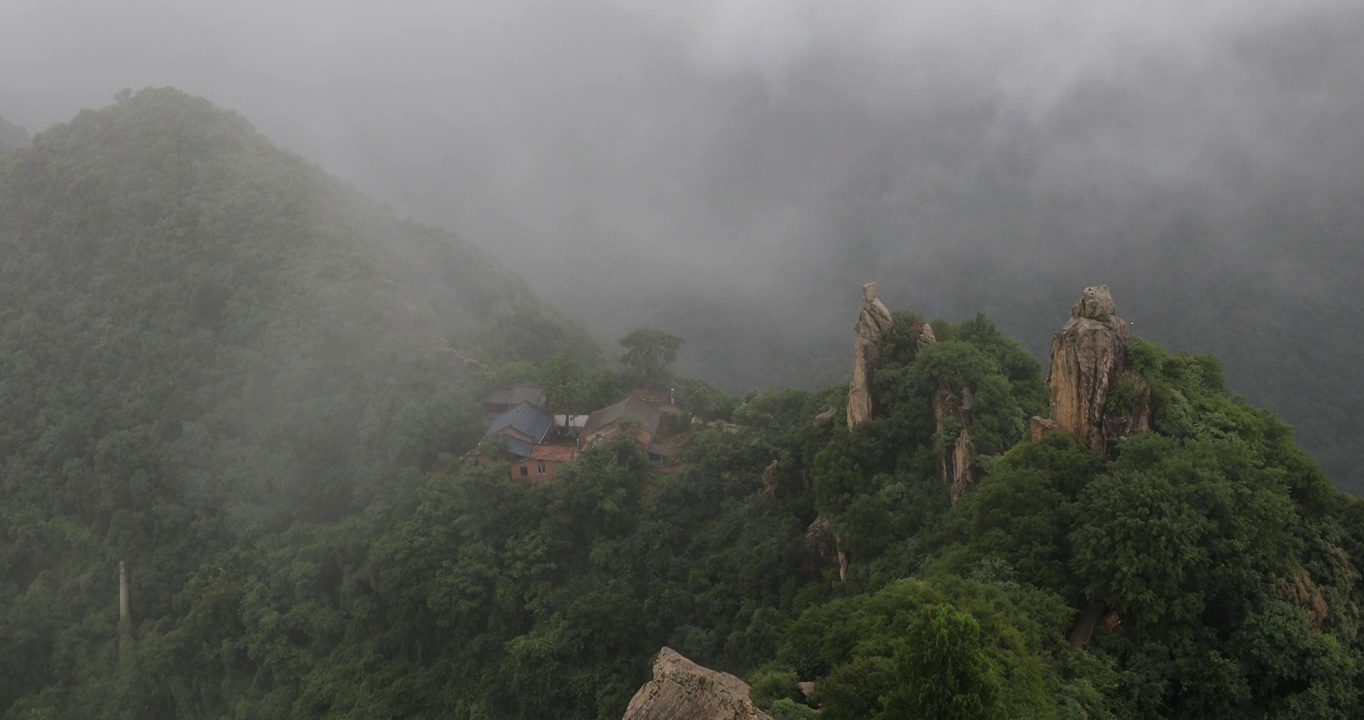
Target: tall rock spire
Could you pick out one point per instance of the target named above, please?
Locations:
(1088, 360)
(873, 323)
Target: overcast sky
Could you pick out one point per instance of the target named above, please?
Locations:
(773, 151)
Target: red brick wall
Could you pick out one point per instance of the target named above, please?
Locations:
(528, 471)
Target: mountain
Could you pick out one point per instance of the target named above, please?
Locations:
(228, 381)
(172, 279)
(202, 337)
(12, 137)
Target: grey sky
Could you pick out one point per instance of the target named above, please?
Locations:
(769, 152)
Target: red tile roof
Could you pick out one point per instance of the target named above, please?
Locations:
(553, 453)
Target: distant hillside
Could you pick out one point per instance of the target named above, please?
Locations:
(12, 137)
(202, 335)
(177, 286)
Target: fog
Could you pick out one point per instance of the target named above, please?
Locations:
(733, 170)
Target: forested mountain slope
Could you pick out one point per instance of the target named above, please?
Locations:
(204, 337)
(12, 137)
(234, 374)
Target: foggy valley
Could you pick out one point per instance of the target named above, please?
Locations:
(257, 374)
(732, 171)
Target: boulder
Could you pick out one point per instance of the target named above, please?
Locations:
(926, 336)
(683, 690)
(1096, 303)
(873, 324)
(1039, 427)
(826, 418)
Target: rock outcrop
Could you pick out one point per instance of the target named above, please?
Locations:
(822, 549)
(956, 455)
(873, 324)
(1088, 362)
(825, 419)
(770, 477)
(926, 336)
(962, 468)
(1083, 632)
(458, 363)
(683, 690)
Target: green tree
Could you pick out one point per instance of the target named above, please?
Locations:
(565, 381)
(941, 671)
(649, 352)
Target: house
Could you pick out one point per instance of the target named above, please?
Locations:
(654, 423)
(633, 413)
(500, 400)
(539, 442)
(666, 451)
(522, 427)
(543, 464)
(525, 430)
(569, 427)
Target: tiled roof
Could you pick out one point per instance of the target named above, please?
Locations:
(532, 394)
(668, 448)
(632, 408)
(519, 447)
(525, 418)
(553, 453)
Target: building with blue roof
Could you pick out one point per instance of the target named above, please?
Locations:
(523, 426)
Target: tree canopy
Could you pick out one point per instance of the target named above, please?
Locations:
(649, 352)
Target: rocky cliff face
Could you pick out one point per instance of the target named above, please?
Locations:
(822, 549)
(952, 414)
(1088, 361)
(683, 690)
(962, 468)
(956, 457)
(873, 323)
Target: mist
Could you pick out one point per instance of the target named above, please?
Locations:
(732, 171)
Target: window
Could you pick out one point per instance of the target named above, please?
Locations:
(542, 468)
(525, 471)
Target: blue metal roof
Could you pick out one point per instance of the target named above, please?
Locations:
(526, 418)
(519, 446)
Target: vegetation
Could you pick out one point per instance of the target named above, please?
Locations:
(237, 376)
(648, 353)
(12, 137)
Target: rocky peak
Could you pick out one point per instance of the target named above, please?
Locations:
(683, 690)
(1096, 303)
(1088, 360)
(956, 458)
(873, 324)
(925, 334)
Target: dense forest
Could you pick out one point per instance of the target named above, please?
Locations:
(12, 137)
(237, 376)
